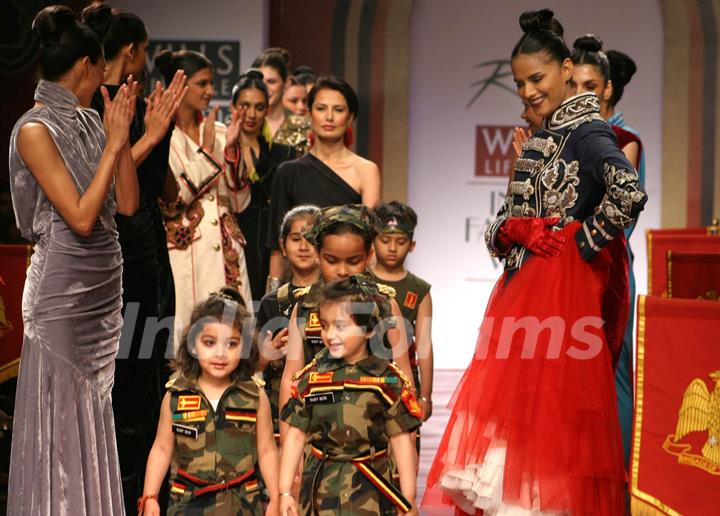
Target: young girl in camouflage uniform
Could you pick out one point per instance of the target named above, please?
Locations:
(273, 314)
(343, 237)
(350, 405)
(215, 425)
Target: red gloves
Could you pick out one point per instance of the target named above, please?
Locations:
(533, 234)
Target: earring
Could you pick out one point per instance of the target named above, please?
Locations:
(348, 137)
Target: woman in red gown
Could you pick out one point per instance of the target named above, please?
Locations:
(534, 427)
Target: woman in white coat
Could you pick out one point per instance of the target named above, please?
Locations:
(204, 241)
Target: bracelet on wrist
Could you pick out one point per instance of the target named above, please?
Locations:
(425, 399)
(142, 500)
(287, 493)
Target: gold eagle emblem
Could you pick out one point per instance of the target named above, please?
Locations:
(699, 412)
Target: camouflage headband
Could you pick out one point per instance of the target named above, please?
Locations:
(381, 306)
(356, 215)
(395, 226)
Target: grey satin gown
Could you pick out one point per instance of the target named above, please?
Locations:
(64, 456)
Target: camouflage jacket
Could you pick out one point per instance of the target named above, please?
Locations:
(214, 446)
(278, 303)
(349, 411)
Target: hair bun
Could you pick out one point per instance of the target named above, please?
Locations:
(231, 293)
(51, 22)
(543, 19)
(252, 73)
(621, 65)
(281, 52)
(304, 69)
(163, 61)
(588, 43)
(98, 17)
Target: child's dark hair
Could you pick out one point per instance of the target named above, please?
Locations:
(622, 68)
(250, 80)
(63, 40)
(189, 61)
(370, 307)
(398, 211)
(305, 211)
(225, 306)
(542, 33)
(587, 50)
(303, 75)
(339, 85)
(276, 58)
(115, 28)
(356, 219)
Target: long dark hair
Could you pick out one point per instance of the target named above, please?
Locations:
(116, 28)
(542, 33)
(224, 306)
(63, 41)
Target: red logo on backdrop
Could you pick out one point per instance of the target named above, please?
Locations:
(494, 154)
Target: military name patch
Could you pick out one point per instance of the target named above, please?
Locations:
(410, 300)
(320, 398)
(189, 402)
(187, 431)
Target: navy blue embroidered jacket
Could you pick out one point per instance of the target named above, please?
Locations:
(572, 168)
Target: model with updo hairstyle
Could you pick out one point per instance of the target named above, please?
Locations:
(519, 438)
(70, 172)
(273, 63)
(622, 69)
(261, 157)
(305, 76)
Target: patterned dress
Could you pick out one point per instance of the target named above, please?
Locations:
(64, 458)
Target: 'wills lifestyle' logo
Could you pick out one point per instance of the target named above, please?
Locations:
(494, 153)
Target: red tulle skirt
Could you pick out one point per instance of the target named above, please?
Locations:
(534, 426)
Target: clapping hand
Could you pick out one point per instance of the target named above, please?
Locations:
(119, 113)
(208, 136)
(162, 105)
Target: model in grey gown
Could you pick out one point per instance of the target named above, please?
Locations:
(64, 456)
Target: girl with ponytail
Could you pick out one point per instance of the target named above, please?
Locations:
(534, 425)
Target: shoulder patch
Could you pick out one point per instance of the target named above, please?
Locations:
(258, 381)
(301, 292)
(407, 384)
(304, 370)
(386, 289)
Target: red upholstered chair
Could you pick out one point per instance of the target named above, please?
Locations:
(14, 261)
(660, 241)
(693, 275)
(675, 465)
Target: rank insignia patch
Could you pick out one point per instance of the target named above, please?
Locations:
(410, 300)
(189, 402)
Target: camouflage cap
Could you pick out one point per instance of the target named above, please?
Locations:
(356, 215)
